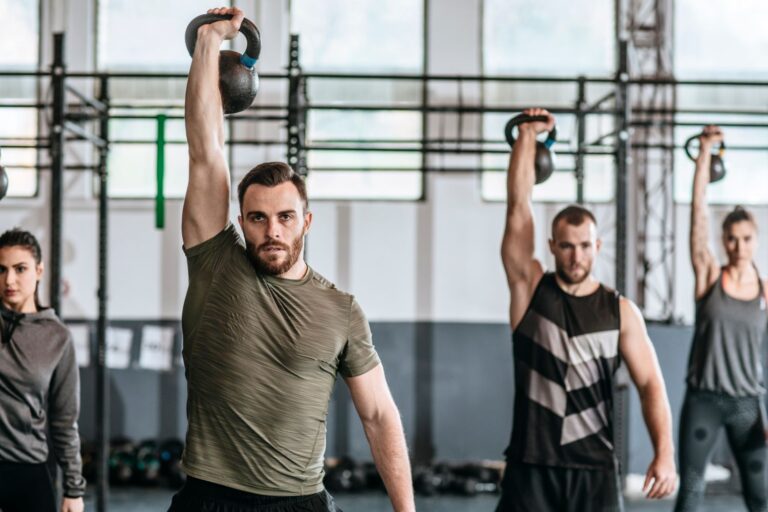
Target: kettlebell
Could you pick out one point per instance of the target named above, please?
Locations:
(238, 81)
(545, 157)
(716, 164)
(3, 182)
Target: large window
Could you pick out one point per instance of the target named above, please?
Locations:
(354, 156)
(724, 40)
(19, 49)
(565, 38)
(133, 158)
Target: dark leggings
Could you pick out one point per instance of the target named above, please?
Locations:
(26, 487)
(703, 415)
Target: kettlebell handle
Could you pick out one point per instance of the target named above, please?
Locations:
(720, 151)
(247, 28)
(525, 118)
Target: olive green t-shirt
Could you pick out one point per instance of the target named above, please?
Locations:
(261, 356)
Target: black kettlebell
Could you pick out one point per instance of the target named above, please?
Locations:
(716, 164)
(238, 81)
(545, 156)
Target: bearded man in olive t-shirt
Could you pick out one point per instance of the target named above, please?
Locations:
(264, 334)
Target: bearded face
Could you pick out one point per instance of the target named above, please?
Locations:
(274, 221)
(274, 257)
(575, 249)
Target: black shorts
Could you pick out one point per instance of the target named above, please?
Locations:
(201, 496)
(530, 488)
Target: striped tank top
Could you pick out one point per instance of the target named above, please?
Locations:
(566, 351)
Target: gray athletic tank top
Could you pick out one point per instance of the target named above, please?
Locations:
(726, 355)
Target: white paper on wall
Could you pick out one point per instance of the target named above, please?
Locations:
(156, 348)
(81, 337)
(119, 342)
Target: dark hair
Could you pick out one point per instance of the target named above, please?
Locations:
(17, 237)
(574, 215)
(272, 174)
(738, 214)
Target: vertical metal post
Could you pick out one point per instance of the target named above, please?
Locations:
(622, 164)
(102, 372)
(621, 383)
(297, 112)
(56, 136)
(581, 131)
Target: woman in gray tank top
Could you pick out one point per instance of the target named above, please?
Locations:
(725, 386)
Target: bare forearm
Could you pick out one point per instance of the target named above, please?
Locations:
(521, 175)
(658, 418)
(519, 229)
(390, 453)
(204, 114)
(700, 212)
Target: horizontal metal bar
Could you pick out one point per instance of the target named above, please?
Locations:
(408, 76)
(151, 75)
(180, 106)
(419, 169)
(128, 117)
(668, 111)
(82, 133)
(25, 146)
(24, 105)
(46, 167)
(25, 73)
(453, 78)
(91, 102)
(21, 139)
(471, 151)
(704, 82)
(680, 146)
(663, 122)
(246, 142)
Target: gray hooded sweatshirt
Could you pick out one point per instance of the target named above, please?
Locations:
(39, 392)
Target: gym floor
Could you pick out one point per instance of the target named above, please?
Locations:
(135, 500)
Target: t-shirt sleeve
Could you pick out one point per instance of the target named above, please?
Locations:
(359, 355)
(208, 255)
(203, 262)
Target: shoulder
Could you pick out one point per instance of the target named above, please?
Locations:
(630, 315)
(324, 284)
(54, 329)
(227, 238)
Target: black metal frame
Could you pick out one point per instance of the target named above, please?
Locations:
(67, 116)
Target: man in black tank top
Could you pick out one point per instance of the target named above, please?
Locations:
(569, 334)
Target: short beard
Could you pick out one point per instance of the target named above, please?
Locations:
(275, 267)
(568, 279)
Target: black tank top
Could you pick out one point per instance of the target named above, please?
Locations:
(566, 351)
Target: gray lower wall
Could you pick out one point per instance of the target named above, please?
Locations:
(465, 404)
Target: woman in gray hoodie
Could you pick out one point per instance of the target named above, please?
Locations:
(39, 387)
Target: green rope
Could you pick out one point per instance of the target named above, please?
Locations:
(160, 173)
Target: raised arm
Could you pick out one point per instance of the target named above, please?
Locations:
(705, 267)
(517, 247)
(384, 430)
(206, 204)
(638, 353)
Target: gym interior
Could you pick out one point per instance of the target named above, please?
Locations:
(395, 113)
